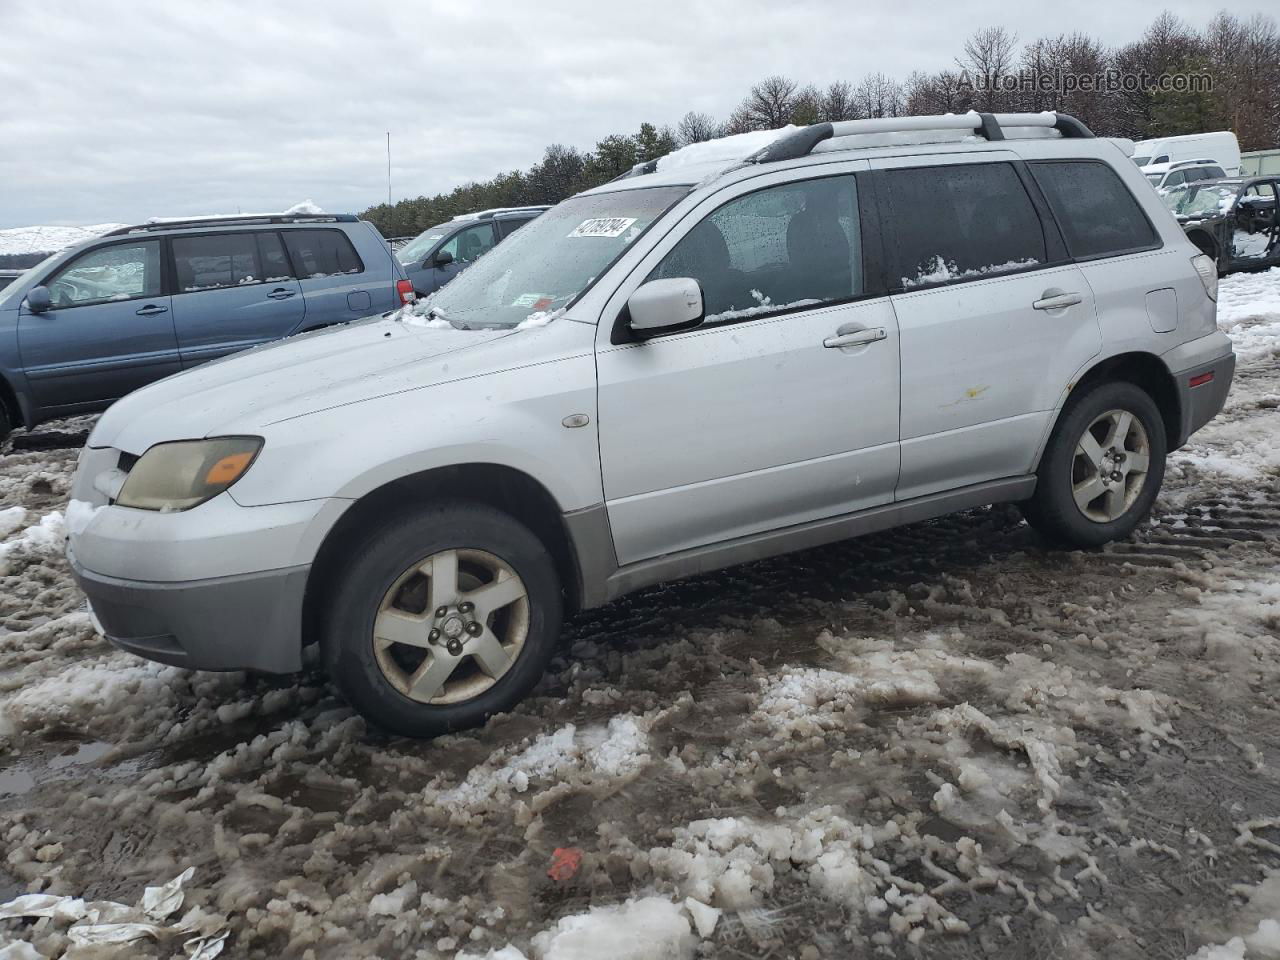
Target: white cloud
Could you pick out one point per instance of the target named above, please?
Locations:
(125, 111)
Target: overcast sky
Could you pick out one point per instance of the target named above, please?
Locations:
(119, 111)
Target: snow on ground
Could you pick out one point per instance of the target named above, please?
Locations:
(943, 741)
(48, 239)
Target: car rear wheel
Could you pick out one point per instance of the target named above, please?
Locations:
(441, 617)
(1102, 468)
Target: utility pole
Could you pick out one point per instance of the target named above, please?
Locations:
(388, 168)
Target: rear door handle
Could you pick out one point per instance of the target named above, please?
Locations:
(855, 338)
(281, 294)
(151, 310)
(1058, 302)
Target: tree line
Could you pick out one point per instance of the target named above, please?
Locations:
(1241, 56)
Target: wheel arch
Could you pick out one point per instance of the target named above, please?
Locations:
(1145, 370)
(9, 404)
(496, 485)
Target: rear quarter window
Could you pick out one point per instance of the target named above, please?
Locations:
(321, 253)
(1098, 215)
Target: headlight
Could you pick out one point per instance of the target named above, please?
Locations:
(186, 473)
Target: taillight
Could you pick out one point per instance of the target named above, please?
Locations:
(1208, 271)
(405, 289)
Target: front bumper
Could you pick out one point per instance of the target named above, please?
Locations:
(247, 622)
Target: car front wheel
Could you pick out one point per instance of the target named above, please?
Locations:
(441, 617)
(1102, 468)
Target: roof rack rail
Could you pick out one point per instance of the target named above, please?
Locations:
(239, 219)
(800, 143)
(490, 214)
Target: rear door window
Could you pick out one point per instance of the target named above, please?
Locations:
(960, 222)
(213, 261)
(782, 248)
(321, 253)
(1098, 215)
(510, 225)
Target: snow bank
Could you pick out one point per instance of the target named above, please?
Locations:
(647, 929)
(49, 239)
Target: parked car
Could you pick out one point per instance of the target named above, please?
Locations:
(8, 276)
(1232, 220)
(690, 367)
(1221, 146)
(1169, 175)
(106, 316)
(440, 253)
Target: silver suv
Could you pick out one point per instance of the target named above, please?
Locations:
(718, 357)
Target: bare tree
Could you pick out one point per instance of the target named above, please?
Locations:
(806, 106)
(770, 103)
(988, 57)
(695, 128)
(836, 102)
(879, 96)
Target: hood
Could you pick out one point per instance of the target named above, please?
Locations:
(248, 392)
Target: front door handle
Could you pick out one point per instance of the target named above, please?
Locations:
(855, 338)
(151, 310)
(1057, 301)
(280, 293)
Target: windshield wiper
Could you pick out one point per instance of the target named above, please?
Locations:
(435, 313)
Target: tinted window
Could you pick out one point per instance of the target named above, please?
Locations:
(216, 260)
(275, 262)
(1175, 179)
(1097, 213)
(960, 223)
(124, 271)
(470, 244)
(321, 253)
(509, 225)
(788, 246)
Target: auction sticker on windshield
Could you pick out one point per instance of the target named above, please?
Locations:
(603, 227)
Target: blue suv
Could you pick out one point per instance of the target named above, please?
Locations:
(106, 316)
(440, 253)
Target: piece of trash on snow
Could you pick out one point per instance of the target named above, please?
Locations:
(564, 863)
(206, 948)
(160, 902)
(20, 950)
(91, 934)
(66, 909)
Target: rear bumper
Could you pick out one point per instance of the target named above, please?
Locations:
(1202, 391)
(248, 622)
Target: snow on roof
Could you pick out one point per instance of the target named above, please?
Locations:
(722, 149)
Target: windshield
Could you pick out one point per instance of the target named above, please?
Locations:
(416, 250)
(1200, 200)
(544, 266)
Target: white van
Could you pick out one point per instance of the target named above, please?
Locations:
(1156, 155)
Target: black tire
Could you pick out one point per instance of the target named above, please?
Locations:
(1053, 511)
(6, 427)
(379, 560)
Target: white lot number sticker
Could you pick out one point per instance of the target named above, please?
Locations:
(603, 227)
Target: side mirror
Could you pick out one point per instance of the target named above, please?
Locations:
(664, 306)
(39, 299)
(442, 258)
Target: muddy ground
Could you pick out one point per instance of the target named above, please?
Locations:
(943, 741)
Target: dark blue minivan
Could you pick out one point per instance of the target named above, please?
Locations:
(106, 316)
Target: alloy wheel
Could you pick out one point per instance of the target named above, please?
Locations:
(450, 626)
(1109, 468)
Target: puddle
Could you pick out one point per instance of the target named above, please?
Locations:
(83, 753)
(14, 783)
